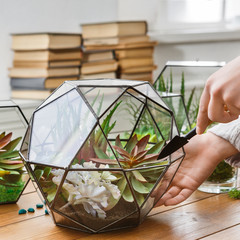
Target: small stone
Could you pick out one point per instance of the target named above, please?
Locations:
(22, 211)
(46, 212)
(31, 210)
(39, 205)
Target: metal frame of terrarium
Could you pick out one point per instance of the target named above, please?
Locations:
(183, 64)
(136, 216)
(12, 106)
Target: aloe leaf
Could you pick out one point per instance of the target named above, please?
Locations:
(156, 148)
(140, 198)
(12, 154)
(4, 172)
(38, 173)
(103, 161)
(127, 194)
(118, 142)
(13, 144)
(2, 135)
(11, 162)
(131, 143)
(5, 140)
(138, 186)
(47, 171)
(100, 153)
(189, 102)
(139, 176)
(143, 143)
(10, 167)
(121, 151)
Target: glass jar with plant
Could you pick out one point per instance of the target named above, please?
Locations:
(92, 148)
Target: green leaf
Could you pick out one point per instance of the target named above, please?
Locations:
(140, 198)
(13, 144)
(127, 194)
(100, 153)
(38, 173)
(131, 143)
(138, 186)
(7, 166)
(47, 171)
(12, 154)
(157, 147)
(139, 176)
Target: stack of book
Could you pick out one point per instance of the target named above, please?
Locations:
(130, 42)
(98, 64)
(42, 62)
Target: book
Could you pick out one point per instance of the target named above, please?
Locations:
(97, 56)
(43, 72)
(40, 41)
(134, 52)
(139, 69)
(31, 94)
(114, 29)
(48, 55)
(39, 83)
(134, 62)
(46, 64)
(145, 76)
(99, 67)
(120, 46)
(99, 75)
(115, 40)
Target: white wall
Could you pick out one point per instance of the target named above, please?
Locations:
(20, 16)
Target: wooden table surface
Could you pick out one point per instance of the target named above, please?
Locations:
(202, 216)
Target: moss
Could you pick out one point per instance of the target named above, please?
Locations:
(222, 173)
(10, 194)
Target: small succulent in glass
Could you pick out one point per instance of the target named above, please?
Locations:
(11, 169)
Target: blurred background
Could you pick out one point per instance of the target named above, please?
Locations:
(186, 30)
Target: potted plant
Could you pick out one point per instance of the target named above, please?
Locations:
(92, 148)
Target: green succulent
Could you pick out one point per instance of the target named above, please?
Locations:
(11, 165)
(136, 156)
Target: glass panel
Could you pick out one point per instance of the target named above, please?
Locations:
(25, 144)
(46, 182)
(97, 150)
(176, 103)
(61, 90)
(94, 198)
(66, 222)
(101, 98)
(59, 129)
(143, 180)
(148, 91)
(162, 118)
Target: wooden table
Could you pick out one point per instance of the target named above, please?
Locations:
(202, 216)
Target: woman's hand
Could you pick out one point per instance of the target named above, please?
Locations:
(203, 153)
(220, 100)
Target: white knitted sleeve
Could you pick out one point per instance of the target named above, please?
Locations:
(230, 132)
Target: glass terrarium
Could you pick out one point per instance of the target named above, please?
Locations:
(92, 148)
(13, 176)
(188, 78)
(180, 83)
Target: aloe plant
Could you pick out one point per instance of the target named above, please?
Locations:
(191, 108)
(135, 156)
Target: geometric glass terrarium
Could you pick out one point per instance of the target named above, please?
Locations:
(92, 148)
(180, 84)
(13, 176)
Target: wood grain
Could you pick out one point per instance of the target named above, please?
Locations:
(202, 216)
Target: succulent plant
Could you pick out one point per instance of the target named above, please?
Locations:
(11, 165)
(146, 167)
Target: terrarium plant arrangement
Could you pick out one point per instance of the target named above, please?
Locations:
(13, 176)
(11, 169)
(93, 149)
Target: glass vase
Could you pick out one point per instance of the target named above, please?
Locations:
(223, 179)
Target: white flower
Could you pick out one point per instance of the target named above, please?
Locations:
(92, 189)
